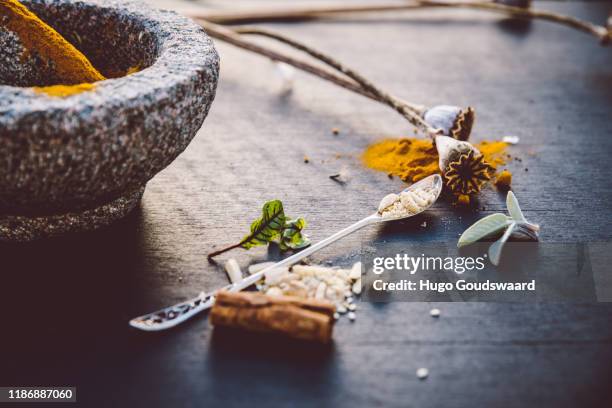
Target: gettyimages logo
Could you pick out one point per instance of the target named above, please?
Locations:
(414, 264)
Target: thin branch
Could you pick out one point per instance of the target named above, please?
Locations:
(301, 14)
(234, 37)
(222, 250)
(332, 62)
(296, 13)
(600, 32)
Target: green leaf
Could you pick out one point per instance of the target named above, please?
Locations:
(482, 228)
(292, 236)
(513, 208)
(495, 249)
(266, 228)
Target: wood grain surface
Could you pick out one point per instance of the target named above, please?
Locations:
(68, 300)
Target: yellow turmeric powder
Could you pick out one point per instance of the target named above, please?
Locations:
(414, 159)
(63, 91)
(69, 64)
(504, 180)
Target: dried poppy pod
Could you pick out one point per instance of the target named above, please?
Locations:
(463, 166)
(454, 121)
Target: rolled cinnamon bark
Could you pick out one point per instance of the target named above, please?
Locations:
(304, 319)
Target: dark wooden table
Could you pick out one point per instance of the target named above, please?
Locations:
(66, 302)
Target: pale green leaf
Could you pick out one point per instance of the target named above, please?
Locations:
(484, 227)
(513, 208)
(495, 249)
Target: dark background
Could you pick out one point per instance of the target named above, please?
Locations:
(66, 302)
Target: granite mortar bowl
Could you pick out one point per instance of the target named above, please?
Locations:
(80, 162)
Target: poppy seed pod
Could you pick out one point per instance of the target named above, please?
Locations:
(454, 121)
(463, 166)
(450, 149)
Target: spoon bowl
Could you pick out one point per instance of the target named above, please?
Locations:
(432, 183)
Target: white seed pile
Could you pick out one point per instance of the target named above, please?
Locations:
(407, 203)
(318, 282)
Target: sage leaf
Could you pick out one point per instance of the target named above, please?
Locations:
(266, 228)
(292, 236)
(482, 228)
(495, 249)
(513, 208)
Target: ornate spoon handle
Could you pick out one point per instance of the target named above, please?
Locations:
(173, 315)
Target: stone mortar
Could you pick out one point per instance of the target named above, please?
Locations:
(80, 162)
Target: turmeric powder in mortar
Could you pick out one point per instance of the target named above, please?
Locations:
(63, 91)
(66, 62)
(413, 159)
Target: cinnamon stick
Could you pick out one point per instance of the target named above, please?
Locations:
(304, 319)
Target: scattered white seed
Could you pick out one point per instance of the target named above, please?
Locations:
(342, 274)
(311, 270)
(357, 286)
(275, 276)
(233, 270)
(274, 291)
(434, 312)
(387, 201)
(352, 316)
(418, 198)
(352, 307)
(424, 224)
(355, 271)
(336, 315)
(408, 202)
(422, 373)
(320, 293)
(287, 75)
(511, 139)
(341, 309)
(254, 268)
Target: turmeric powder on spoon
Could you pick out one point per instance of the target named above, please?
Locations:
(66, 64)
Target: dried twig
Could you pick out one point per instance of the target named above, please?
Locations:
(355, 83)
(600, 32)
(301, 14)
(296, 13)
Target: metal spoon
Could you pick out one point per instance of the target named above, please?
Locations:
(171, 316)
